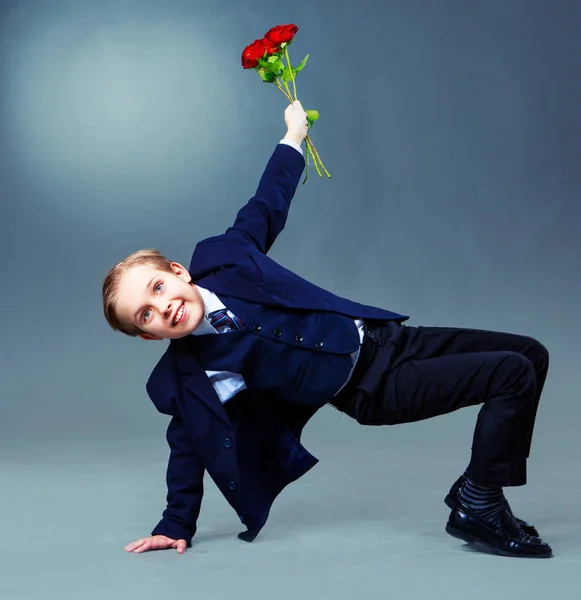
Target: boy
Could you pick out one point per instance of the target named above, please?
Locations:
(256, 350)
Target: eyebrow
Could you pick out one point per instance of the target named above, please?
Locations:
(146, 287)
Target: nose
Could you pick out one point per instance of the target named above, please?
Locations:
(166, 310)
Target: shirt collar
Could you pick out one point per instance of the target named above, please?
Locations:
(211, 304)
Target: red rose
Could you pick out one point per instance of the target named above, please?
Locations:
(281, 33)
(253, 53)
(270, 47)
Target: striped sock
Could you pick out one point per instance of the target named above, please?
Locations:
(481, 498)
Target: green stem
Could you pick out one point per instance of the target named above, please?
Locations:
(310, 151)
(316, 154)
(287, 95)
(288, 91)
(291, 71)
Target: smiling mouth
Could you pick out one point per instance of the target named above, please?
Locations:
(180, 314)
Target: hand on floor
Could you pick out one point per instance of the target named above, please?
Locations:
(156, 542)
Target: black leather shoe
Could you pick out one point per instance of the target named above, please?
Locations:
(454, 496)
(497, 530)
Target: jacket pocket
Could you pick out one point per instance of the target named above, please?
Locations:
(300, 379)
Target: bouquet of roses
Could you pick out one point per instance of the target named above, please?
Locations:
(266, 56)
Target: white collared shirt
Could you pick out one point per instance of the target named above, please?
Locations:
(226, 384)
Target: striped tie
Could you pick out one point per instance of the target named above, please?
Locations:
(221, 318)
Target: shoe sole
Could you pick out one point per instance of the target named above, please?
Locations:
(471, 539)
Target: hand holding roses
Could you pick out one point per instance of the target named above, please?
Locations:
(296, 121)
(266, 56)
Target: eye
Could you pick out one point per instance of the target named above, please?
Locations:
(158, 288)
(146, 315)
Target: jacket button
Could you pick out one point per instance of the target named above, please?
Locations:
(277, 332)
(232, 485)
(227, 443)
(319, 344)
(299, 339)
(257, 327)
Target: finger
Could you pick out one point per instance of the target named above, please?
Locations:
(140, 548)
(147, 545)
(180, 546)
(154, 543)
(130, 547)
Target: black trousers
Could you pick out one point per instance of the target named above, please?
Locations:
(407, 374)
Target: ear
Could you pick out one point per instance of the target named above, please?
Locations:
(147, 336)
(181, 271)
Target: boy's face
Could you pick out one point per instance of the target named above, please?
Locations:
(162, 304)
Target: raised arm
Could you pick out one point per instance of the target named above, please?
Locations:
(264, 215)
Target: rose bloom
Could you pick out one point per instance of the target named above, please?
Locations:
(281, 33)
(253, 53)
(270, 47)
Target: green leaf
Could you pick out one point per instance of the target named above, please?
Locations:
(272, 67)
(302, 64)
(266, 76)
(277, 62)
(312, 116)
(287, 73)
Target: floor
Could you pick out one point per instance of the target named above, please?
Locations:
(367, 522)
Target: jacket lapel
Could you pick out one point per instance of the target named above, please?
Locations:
(195, 379)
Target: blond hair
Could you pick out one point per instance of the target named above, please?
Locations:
(110, 291)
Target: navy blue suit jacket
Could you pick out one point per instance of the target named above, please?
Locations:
(250, 448)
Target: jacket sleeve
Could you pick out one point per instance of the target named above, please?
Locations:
(185, 476)
(264, 216)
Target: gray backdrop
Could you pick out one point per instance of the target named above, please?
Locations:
(452, 130)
